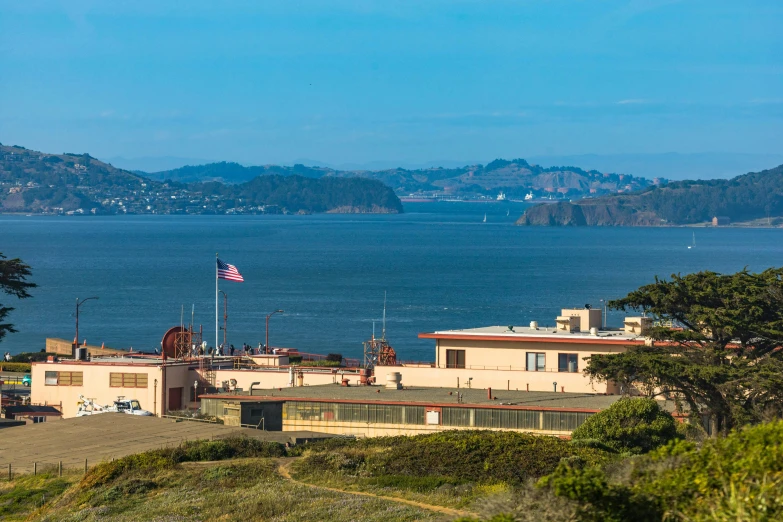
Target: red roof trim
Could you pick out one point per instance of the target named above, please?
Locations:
(483, 337)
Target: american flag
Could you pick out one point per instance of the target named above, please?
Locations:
(229, 272)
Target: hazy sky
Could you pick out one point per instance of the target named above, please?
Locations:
(356, 81)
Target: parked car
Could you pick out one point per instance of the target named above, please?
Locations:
(27, 380)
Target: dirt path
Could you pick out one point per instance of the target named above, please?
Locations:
(284, 471)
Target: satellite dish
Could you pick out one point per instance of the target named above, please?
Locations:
(587, 306)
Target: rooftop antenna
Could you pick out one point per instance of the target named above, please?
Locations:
(192, 312)
(182, 316)
(383, 335)
(373, 330)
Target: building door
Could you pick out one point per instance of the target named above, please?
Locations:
(175, 399)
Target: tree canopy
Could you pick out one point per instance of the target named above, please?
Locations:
(13, 281)
(716, 345)
(635, 425)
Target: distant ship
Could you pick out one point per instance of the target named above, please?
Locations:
(502, 196)
(528, 196)
(485, 218)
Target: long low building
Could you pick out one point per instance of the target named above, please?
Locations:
(375, 410)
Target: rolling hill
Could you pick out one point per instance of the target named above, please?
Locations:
(752, 196)
(42, 183)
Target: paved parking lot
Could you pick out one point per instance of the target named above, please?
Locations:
(111, 435)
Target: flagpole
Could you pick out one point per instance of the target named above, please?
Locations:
(217, 332)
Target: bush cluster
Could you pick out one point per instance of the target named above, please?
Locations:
(477, 456)
(20, 367)
(739, 477)
(188, 451)
(629, 425)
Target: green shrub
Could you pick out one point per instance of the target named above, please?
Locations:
(223, 449)
(739, 477)
(481, 456)
(188, 451)
(630, 425)
(20, 367)
(322, 363)
(27, 357)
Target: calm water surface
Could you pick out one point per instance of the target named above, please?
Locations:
(442, 267)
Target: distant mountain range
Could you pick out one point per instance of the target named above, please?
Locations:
(38, 182)
(515, 178)
(756, 196)
(669, 165)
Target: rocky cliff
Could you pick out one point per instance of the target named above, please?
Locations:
(585, 214)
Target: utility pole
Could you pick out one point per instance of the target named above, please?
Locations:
(78, 304)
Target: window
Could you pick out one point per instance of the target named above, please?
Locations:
(128, 380)
(567, 362)
(536, 362)
(455, 358)
(63, 378)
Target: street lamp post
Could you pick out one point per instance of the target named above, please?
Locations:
(78, 304)
(267, 326)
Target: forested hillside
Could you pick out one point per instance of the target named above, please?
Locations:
(38, 182)
(757, 195)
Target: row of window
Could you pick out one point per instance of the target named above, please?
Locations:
(345, 412)
(116, 380)
(455, 417)
(535, 361)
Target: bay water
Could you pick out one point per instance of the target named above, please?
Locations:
(441, 266)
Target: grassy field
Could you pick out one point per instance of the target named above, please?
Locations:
(247, 489)
(427, 477)
(458, 469)
(27, 494)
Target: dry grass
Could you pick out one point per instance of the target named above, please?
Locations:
(241, 491)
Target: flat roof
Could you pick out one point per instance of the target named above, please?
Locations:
(114, 435)
(432, 397)
(540, 334)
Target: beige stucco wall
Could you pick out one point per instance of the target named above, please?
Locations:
(379, 430)
(95, 386)
(510, 355)
(269, 379)
(497, 379)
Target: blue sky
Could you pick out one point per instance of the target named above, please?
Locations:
(349, 81)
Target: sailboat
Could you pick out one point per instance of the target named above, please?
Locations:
(485, 217)
(693, 244)
(508, 212)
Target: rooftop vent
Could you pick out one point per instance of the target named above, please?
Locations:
(534, 325)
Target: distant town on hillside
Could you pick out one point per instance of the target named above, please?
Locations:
(41, 183)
